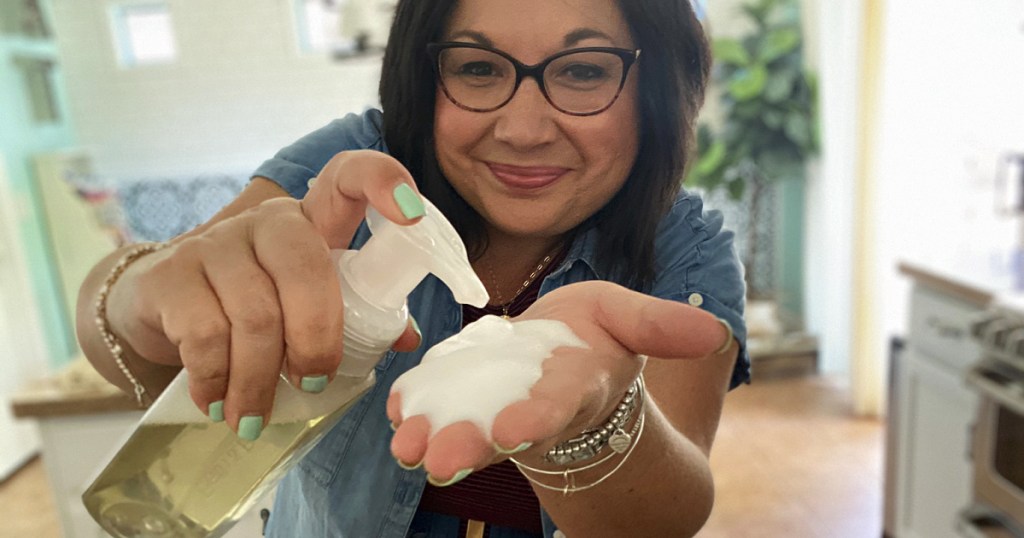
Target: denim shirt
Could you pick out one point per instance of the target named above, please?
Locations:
(349, 485)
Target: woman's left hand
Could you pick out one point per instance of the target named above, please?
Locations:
(578, 389)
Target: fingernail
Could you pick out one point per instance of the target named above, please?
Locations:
(408, 467)
(408, 201)
(394, 427)
(416, 327)
(216, 411)
(458, 476)
(728, 337)
(522, 446)
(314, 383)
(249, 428)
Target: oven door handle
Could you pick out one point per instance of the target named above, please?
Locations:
(980, 521)
(1010, 396)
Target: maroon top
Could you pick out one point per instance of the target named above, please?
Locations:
(498, 494)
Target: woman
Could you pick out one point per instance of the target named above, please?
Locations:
(553, 136)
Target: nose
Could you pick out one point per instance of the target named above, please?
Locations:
(527, 121)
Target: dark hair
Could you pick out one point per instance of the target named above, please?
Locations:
(673, 70)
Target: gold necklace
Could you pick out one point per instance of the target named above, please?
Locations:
(526, 284)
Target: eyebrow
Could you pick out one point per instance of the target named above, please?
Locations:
(580, 34)
(571, 38)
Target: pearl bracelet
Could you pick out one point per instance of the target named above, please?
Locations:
(113, 343)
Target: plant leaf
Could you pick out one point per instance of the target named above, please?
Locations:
(798, 129)
(779, 86)
(711, 159)
(773, 118)
(748, 83)
(730, 51)
(736, 189)
(779, 42)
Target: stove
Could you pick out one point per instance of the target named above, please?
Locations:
(998, 434)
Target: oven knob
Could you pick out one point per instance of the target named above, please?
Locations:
(980, 326)
(1015, 343)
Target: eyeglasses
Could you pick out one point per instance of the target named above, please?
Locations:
(579, 82)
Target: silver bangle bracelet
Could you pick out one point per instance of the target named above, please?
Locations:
(592, 441)
(112, 341)
(569, 474)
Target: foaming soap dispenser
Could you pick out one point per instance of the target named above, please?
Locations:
(181, 475)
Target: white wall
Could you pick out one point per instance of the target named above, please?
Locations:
(951, 104)
(239, 91)
(23, 354)
(836, 26)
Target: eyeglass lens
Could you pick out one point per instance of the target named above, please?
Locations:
(579, 82)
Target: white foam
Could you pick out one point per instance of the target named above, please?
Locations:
(475, 374)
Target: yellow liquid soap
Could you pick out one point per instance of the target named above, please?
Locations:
(196, 480)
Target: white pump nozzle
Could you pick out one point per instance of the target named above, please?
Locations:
(397, 258)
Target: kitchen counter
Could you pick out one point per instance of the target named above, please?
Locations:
(75, 390)
(968, 283)
(972, 290)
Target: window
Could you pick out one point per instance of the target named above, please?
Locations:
(23, 18)
(320, 27)
(143, 34)
(39, 87)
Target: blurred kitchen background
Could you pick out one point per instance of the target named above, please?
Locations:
(873, 250)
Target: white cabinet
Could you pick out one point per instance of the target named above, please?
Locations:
(935, 411)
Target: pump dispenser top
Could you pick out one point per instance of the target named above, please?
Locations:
(396, 258)
(376, 280)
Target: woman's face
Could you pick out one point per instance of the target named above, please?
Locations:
(528, 169)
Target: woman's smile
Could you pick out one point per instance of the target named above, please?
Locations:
(526, 178)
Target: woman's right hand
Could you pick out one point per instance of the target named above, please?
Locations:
(257, 294)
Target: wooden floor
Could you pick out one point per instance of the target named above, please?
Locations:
(789, 462)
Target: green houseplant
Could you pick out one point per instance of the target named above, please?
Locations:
(768, 127)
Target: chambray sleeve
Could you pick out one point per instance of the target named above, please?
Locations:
(295, 165)
(697, 264)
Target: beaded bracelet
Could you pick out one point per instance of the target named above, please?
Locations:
(113, 343)
(568, 474)
(592, 441)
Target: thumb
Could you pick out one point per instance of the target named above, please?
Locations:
(351, 180)
(657, 327)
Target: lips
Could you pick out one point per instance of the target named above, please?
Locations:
(526, 177)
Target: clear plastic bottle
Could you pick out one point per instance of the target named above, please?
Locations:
(180, 475)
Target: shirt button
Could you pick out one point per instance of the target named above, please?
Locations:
(695, 299)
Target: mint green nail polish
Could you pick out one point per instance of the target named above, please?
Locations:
(249, 428)
(408, 201)
(408, 467)
(314, 383)
(458, 476)
(416, 327)
(522, 446)
(216, 411)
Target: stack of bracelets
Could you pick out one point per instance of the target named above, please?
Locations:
(592, 442)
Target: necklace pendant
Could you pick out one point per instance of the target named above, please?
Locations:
(505, 316)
